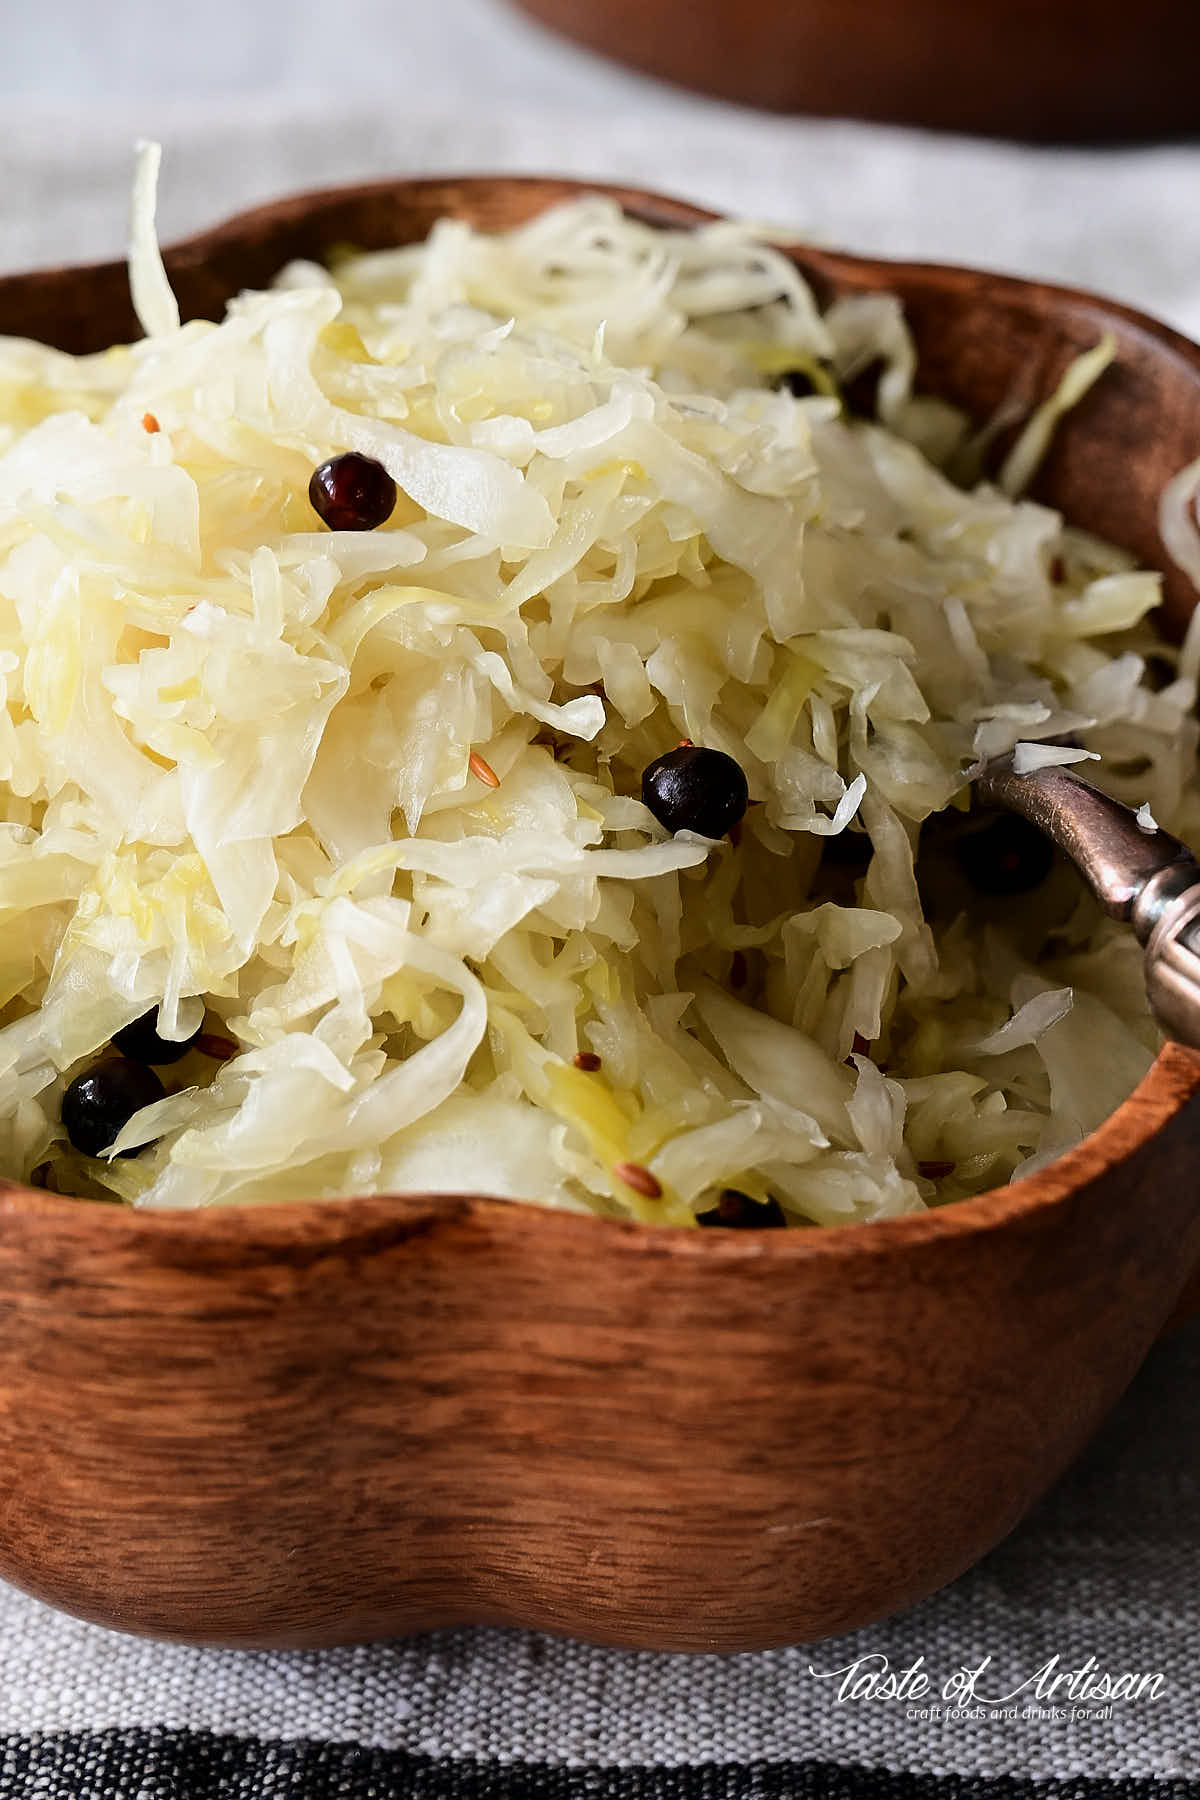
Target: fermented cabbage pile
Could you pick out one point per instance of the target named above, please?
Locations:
(644, 495)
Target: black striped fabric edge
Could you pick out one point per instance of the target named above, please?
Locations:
(149, 1764)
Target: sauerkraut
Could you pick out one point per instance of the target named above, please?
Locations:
(240, 753)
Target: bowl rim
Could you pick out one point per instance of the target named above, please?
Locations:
(1172, 1080)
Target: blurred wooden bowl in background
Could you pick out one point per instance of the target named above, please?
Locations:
(1063, 70)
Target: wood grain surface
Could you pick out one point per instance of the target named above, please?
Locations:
(303, 1425)
(1048, 69)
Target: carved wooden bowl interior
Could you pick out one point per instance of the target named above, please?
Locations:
(312, 1424)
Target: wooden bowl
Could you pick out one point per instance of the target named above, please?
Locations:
(312, 1424)
(1048, 69)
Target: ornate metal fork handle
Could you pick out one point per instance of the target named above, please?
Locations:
(1147, 877)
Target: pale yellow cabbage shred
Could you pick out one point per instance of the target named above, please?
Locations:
(234, 745)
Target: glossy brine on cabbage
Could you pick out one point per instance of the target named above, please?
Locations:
(366, 804)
